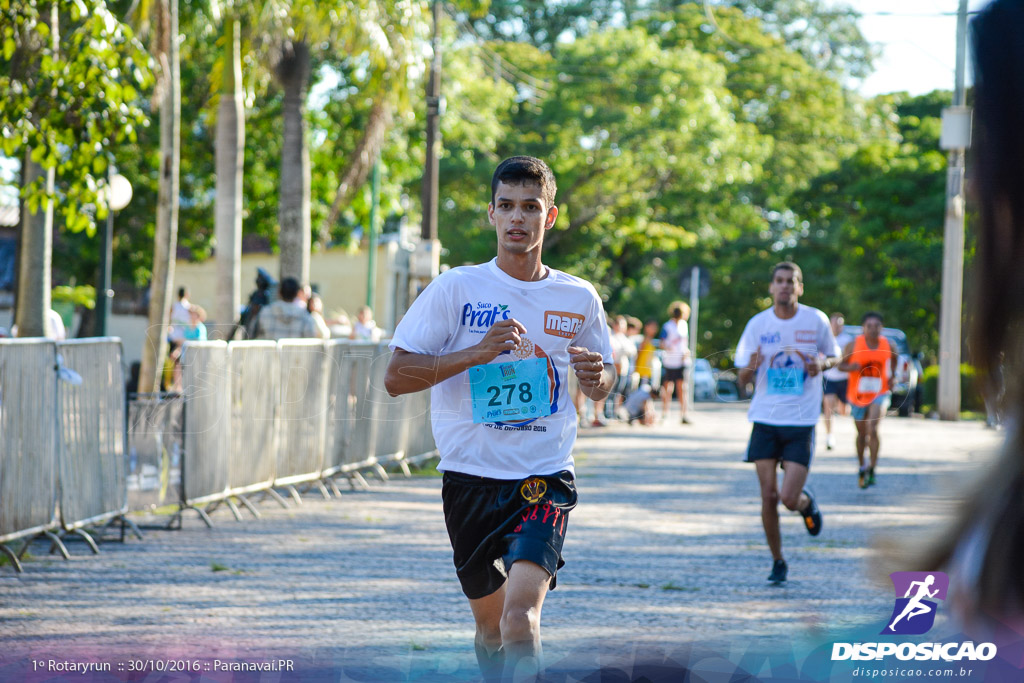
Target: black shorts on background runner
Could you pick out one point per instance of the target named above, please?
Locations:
(494, 522)
(836, 387)
(790, 444)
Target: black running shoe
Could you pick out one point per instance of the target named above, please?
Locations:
(811, 515)
(871, 476)
(779, 571)
(862, 478)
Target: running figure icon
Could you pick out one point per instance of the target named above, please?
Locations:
(915, 606)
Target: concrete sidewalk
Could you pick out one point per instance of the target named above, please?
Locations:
(666, 547)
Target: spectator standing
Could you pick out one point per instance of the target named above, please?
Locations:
(282, 319)
(365, 328)
(315, 307)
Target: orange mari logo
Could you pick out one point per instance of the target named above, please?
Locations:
(533, 490)
(563, 323)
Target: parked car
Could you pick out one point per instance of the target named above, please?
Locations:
(906, 382)
(703, 381)
(726, 387)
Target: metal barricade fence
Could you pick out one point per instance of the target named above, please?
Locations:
(207, 388)
(351, 426)
(28, 444)
(389, 413)
(421, 434)
(303, 410)
(255, 391)
(91, 454)
(337, 430)
(155, 450)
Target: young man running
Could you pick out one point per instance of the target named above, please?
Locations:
(783, 348)
(871, 362)
(496, 342)
(835, 382)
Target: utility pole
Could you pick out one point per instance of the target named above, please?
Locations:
(953, 243)
(430, 171)
(425, 262)
(692, 332)
(371, 269)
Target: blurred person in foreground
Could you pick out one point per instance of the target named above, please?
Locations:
(984, 551)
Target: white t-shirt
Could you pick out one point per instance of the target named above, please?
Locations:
(624, 351)
(675, 337)
(835, 374)
(784, 394)
(453, 313)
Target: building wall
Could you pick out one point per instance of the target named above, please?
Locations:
(339, 276)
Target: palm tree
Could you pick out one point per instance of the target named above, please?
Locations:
(381, 30)
(230, 146)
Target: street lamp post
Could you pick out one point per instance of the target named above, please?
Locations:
(119, 193)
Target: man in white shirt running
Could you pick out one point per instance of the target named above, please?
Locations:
(495, 342)
(835, 381)
(785, 349)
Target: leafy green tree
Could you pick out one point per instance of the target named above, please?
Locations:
(876, 224)
(62, 131)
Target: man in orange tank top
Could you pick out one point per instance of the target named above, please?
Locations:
(871, 363)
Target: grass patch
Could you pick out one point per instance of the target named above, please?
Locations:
(642, 585)
(4, 560)
(416, 647)
(670, 586)
(166, 510)
(218, 567)
(427, 468)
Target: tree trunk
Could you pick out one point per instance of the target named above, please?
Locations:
(230, 155)
(166, 238)
(34, 259)
(295, 239)
(36, 239)
(359, 163)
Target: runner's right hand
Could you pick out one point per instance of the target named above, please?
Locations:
(755, 360)
(504, 335)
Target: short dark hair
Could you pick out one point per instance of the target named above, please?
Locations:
(871, 314)
(182, 292)
(289, 288)
(788, 265)
(522, 169)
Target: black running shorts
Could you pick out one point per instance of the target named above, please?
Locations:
(836, 387)
(790, 444)
(672, 375)
(494, 522)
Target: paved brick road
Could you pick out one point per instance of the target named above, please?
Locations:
(665, 549)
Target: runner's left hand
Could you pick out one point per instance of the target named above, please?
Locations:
(814, 367)
(588, 366)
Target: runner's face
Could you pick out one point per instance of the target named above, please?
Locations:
(837, 324)
(872, 328)
(785, 288)
(520, 216)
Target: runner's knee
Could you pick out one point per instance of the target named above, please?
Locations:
(489, 637)
(520, 624)
(791, 501)
(770, 497)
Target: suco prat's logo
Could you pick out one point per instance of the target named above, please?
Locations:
(480, 318)
(916, 593)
